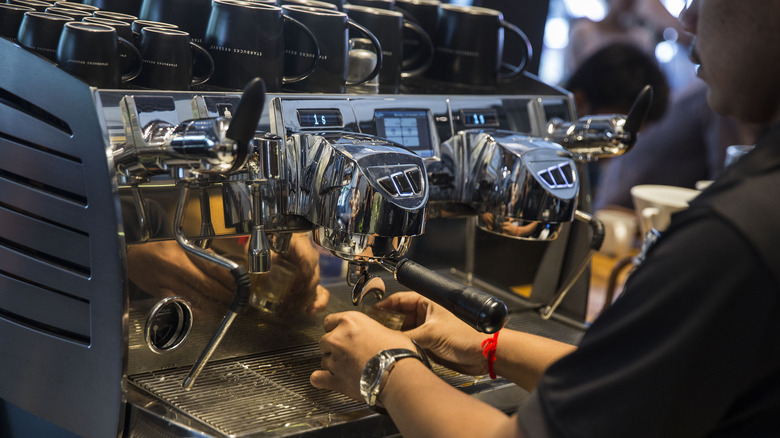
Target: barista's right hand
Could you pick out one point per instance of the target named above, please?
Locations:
(448, 340)
(165, 269)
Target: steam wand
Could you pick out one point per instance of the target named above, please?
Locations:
(595, 244)
(241, 130)
(243, 286)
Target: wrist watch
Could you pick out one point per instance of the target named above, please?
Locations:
(377, 369)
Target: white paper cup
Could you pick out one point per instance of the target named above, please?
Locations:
(620, 232)
(654, 204)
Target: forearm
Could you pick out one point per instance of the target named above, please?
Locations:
(423, 405)
(522, 357)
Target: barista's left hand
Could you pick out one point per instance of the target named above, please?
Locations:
(351, 339)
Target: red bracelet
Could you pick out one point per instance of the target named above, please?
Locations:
(489, 351)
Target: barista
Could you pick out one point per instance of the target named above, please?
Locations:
(692, 347)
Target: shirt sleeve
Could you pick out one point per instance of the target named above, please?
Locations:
(674, 351)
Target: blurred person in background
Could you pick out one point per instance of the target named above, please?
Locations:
(686, 146)
(609, 81)
(638, 22)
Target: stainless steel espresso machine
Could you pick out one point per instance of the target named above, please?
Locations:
(97, 181)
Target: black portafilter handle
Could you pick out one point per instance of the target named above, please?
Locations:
(639, 110)
(478, 309)
(246, 116)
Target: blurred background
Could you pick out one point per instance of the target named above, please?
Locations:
(549, 25)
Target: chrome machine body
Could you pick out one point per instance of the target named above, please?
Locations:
(93, 177)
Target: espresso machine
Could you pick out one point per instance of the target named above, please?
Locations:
(102, 185)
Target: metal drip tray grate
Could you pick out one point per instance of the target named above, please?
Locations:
(260, 394)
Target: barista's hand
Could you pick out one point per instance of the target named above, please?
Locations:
(165, 269)
(351, 339)
(448, 340)
(306, 293)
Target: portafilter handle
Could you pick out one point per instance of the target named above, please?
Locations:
(476, 308)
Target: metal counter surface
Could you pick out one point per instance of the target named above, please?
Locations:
(268, 394)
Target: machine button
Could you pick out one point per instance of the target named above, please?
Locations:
(388, 185)
(547, 178)
(568, 174)
(404, 186)
(415, 178)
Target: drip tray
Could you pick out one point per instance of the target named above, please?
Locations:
(263, 395)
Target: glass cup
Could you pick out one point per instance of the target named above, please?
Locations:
(370, 305)
(272, 291)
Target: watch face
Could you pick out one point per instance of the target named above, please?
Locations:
(376, 370)
(370, 378)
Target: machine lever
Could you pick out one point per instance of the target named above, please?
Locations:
(639, 110)
(247, 114)
(478, 309)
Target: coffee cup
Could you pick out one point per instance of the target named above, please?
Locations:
(74, 5)
(72, 13)
(91, 52)
(310, 3)
(38, 5)
(620, 231)
(11, 18)
(338, 3)
(372, 305)
(274, 291)
(331, 29)
(123, 29)
(127, 7)
(469, 43)
(655, 204)
(111, 15)
(138, 25)
(191, 16)
(388, 27)
(425, 13)
(40, 32)
(247, 40)
(169, 58)
(388, 5)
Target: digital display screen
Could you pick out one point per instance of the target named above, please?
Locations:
(320, 118)
(410, 128)
(479, 118)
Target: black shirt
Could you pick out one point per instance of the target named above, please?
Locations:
(692, 347)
